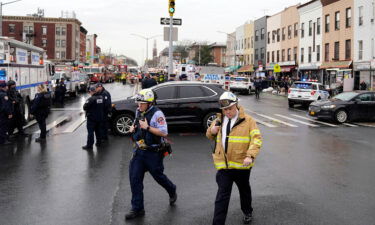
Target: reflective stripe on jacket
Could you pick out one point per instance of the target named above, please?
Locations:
(244, 140)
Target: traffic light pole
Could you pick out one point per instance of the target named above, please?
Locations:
(170, 55)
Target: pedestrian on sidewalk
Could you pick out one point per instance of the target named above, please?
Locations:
(5, 113)
(18, 120)
(238, 141)
(149, 130)
(94, 108)
(40, 109)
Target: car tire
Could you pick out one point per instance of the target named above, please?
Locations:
(208, 119)
(121, 124)
(341, 116)
(291, 104)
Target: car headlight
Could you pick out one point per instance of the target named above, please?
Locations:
(328, 106)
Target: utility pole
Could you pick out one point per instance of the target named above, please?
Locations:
(146, 38)
(1, 14)
(171, 10)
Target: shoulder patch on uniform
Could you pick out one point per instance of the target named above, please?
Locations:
(106, 97)
(161, 120)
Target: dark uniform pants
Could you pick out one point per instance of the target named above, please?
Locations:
(104, 127)
(4, 123)
(143, 161)
(16, 122)
(225, 179)
(42, 126)
(93, 127)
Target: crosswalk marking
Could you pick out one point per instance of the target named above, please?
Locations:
(350, 125)
(315, 121)
(264, 123)
(365, 124)
(54, 123)
(273, 119)
(74, 126)
(297, 121)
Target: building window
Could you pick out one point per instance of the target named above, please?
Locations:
(360, 16)
(278, 35)
(289, 54)
(295, 53)
(310, 28)
(337, 51)
(348, 49)
(302, 54)
(252, 42)
(326, 52)
(278, 56)
(318, 53)
(57, 43)
(295, 29)
(44, 42)
(273, 56)
(318, 26)
(11, 28)
(302, 30)
(273, 36)
(360, 50)
(310, 51)
(268, 37)
(348, 20)
(256, 35)
(58, 31)
(63, 31)
(283, 34)
(63, 55)
(289, 32)
(337, 20)
(327, 24)
(57, 55)
(262, 54)
(268, 57)
(262, 33)
(63, 43)
(283, 55)
(44, 30)
(256, 54)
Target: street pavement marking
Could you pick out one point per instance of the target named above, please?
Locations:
(54, 123)
(298, 110)
(315, 121)
(66, 109)
(365, 124)
(264, 123)
(74, 126)
(350, 125)
(297, 121)
(273, 119)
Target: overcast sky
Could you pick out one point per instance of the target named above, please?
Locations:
(114, 20)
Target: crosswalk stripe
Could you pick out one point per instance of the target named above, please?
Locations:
(264, 123)
(74, 126)
(315, 121)
(273, 119)
(350, 125)
(297, 121)
(365, 124)
(54, 123)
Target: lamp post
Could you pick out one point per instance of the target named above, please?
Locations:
(146, 38)
(1, 14)
(234, 38)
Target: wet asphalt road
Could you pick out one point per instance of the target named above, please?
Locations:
(305, 174)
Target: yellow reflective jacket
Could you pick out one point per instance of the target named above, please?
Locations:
(244, 140)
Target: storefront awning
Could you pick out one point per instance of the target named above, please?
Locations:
(232, 68)
(286, 69)
(337, 64)
(246, 69)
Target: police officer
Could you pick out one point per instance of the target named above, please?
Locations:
(40, 109)
(107, 110)
(18, 119)
(148, 82)
(258, 87)
(150, 129)
(94, 108)
(238, 141)
(5, 113)
(60, 91)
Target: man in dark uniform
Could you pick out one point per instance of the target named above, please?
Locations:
(61, 90)
(5, 113)
(258, 87)
(150, 129)
(18, 119)
(148, 82)
(106, 110)
(94, 108)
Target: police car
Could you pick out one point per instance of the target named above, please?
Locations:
(306, 92)
(241, 84)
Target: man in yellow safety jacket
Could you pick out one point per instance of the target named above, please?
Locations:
(238, 141)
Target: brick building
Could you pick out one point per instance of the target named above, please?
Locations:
(82, 44)
(60, 37)
(218, 52)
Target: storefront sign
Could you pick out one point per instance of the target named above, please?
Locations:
(289, 63)
(277, 68)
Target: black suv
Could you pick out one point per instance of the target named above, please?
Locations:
(183, 103)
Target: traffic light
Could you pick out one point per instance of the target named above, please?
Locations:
(171, 8)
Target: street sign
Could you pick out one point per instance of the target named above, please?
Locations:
(277, 68)
(165, 21)
(174, 34)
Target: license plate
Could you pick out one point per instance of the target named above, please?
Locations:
(312, 113)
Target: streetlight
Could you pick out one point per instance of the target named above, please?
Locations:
(146, 38)
(1, 14)
(234, 37)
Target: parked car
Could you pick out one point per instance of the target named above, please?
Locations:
(241, 84)
(306, 92)
(348, 106)
(183, 103)
(84, 82)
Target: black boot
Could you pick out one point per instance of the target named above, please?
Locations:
(173, 199)
(247, 218)
(87, 148)
(134, 214)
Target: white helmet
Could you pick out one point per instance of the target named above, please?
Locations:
(145, 96)
(227, 99)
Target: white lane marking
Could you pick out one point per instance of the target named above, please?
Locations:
(54, 123)
(273, 119)
(365, 124)
(74, 126)
(298, 110)
(315, 121)
(297, 121)
(267, 102)
(264, 123)
(350, 125)
(66, 109)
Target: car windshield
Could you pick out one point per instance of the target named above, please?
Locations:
(95, 70)
(302, 85)
(345, 96)
(82, 77)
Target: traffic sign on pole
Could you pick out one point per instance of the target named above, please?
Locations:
(166, 21)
